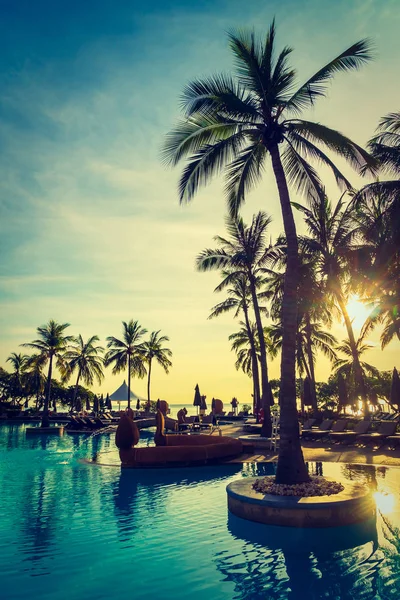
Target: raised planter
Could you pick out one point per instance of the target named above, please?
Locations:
(352, 505)
(45, 430)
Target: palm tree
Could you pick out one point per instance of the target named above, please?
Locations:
(245, 252)
(128, 352)
(51, 345)
(18, 362)
(347, 366)
(234, 124)
(153, 349)
(332, 241)
(34, 373)
(239, 299)
(84, 358)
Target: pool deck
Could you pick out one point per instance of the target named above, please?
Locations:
(318, 452)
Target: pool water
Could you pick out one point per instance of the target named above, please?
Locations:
(79, 530)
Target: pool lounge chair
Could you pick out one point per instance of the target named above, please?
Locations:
(386, 429)
(350, 436)
(315, 433)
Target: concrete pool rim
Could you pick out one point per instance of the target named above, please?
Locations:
(352, 505)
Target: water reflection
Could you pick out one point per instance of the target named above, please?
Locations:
(290, 563)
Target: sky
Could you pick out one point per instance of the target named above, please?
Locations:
(91, 230)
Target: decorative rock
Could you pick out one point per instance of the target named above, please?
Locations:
(353, 505)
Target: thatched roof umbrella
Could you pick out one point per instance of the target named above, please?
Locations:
(395, 389)
(96, 405)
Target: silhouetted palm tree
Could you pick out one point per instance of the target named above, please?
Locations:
(347, 366)
(84, 357)
(18, 362)
(235, 124)
(239, 300)
(128, 352)
(36, 379)
(153, 350)
(51, 344)
(332, 241)
(245, 252)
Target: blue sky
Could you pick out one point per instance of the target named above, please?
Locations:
(91, 231)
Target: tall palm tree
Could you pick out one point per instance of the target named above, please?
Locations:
(128, 352)
(234, 124)
(332, 240)
(153, 350)
(347, 366)
(246, 252)
(239, 300)
(51, 345)
(18, 362)
(35, 376)
(84, 357)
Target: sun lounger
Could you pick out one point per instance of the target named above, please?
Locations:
(349, 436)
(307, 425)
(392, 441)
(315, 433)
(386, 429)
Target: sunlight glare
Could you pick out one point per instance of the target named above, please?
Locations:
(358, 312)
(384, 502)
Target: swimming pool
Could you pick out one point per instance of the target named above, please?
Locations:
(69, 529)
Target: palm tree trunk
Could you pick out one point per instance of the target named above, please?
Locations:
(75, 392)
(129, 380)
(265, 389)
(254, 364)
(45, 417)
(358, 374)
(311, 364)
(291, 466)
(148, 385)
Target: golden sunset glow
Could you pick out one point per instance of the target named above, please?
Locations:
(358, 312)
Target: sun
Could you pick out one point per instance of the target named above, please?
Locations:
(358, 312)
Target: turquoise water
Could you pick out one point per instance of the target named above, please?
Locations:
(77, 530)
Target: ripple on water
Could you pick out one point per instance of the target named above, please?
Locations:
(70, 528)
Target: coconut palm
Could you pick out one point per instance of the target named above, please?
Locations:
(128, 352)
(18, 362)
(36, 379)
(332, 241)
(347, 366)
(51, 345)
(234, 124)
(153, 350)
(84, 358)
(239, 300)
(245, 252)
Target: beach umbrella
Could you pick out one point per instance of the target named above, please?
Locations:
(78, 404)
(395, 389)
(307, 395)
(203, 404)
(95, 405)
(158, 404)
(342, 391)
(101, 402)
(197, 397)
(213, 404)
(138, 404)
(88, 407)
(108, 402)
